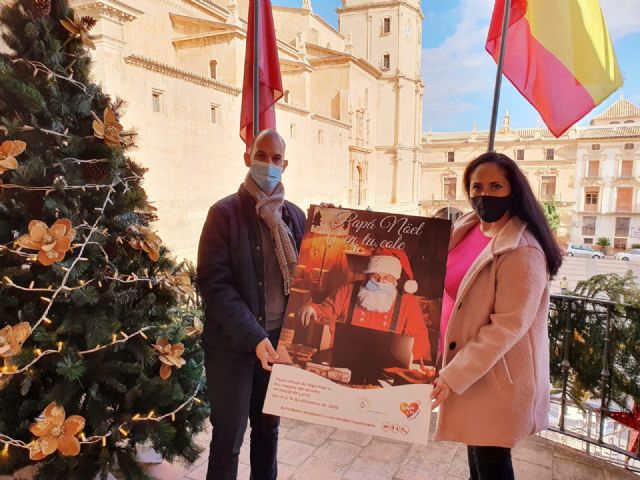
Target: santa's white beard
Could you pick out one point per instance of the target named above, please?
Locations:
(380, 301)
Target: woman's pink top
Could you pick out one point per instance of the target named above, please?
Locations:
(460, 259)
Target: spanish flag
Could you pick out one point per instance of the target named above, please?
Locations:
(559, 56)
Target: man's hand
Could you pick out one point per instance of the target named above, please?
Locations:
(307, 314)
(266, 354)
(439, 394)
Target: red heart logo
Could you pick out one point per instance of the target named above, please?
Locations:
(410, 409)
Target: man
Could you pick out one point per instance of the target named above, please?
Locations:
(246, 261)
(376, 303)
(564, 285)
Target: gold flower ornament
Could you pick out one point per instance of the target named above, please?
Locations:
(52, 243)
(55, 432)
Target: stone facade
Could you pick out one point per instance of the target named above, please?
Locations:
(351, 115)
(590, 171)
(608, 179)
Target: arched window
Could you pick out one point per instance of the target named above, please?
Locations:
(213, 69)
(286, 96)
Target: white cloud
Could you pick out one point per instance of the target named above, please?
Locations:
(622, 17)
(459, 73)
(459, 67)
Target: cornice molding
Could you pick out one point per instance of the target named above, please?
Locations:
(600, 156)
(341, 59)
(210, 7)
(170, 71)
(377, 6)
(357, 149)
(306, 11)
(449, 173)
(292, 108)
(547, 170)
(626, 182)
(118, 10)
(332, 121)
(628, 156)
(592, 182)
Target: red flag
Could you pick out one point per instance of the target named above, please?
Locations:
(270, 89)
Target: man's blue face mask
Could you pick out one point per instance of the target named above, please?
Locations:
(266, 175)
(374, 286)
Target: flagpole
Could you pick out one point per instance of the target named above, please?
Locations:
(256, 67)
(496, 91)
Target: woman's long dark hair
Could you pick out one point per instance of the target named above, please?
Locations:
(524, 205)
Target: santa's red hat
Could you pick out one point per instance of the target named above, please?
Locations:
(393, 262)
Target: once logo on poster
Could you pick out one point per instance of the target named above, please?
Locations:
(363, 403)
(388, 427)
(411, 410)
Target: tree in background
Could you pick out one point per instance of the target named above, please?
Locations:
(603, 243)
(101, 355)
(588, 335)
(550, 210)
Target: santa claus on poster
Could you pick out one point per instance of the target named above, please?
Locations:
(358, 347)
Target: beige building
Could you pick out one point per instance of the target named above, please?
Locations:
(591, 172)
(608, 178)
(548, 162)
(351, 113)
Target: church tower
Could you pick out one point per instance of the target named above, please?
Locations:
(388, 34)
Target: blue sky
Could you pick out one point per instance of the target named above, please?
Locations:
(459, 74)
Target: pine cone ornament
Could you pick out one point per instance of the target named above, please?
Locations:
(40, 8)
(95, 172)
(89, 22)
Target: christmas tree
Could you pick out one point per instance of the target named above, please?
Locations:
(99, 346)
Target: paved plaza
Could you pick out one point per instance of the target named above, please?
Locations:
(312, 452)
(581, 268)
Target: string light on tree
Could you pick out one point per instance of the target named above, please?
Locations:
(88, 289)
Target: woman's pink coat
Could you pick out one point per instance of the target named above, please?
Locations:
(496, 357)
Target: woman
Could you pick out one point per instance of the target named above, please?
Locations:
(493, 388)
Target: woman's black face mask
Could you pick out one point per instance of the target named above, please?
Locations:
(491, 209)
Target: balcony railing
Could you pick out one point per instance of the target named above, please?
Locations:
(583, 333)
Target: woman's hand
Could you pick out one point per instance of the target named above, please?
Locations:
(439, 394)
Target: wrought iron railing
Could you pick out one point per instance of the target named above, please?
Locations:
(595, 370)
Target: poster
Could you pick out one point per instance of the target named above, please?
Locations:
(359, 342)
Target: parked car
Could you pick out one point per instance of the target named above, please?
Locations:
(631, 255)
(583, 251)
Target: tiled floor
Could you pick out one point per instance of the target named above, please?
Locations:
(310, 452)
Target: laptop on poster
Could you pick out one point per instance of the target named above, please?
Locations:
(367, 352)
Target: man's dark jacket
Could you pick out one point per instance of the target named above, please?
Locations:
(231, 271)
